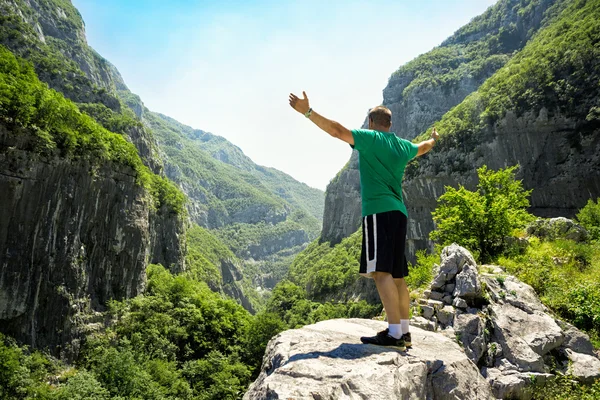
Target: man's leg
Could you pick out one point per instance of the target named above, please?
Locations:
(389, 294)
(404, 309)
(403, 299)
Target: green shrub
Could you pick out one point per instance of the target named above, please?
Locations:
(565, 387)
(23, 374)
(580, 304)
(589, 218)
(82, 386)
(481, 220)
(421, 274)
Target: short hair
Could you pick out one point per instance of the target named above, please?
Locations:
(381, 116)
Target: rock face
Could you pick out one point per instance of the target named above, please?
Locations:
(327, 361)
(342, 215)
(504, 328)
(76, 236)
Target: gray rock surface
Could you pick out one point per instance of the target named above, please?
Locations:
(583, 366)
(514, 384)
(576, 340)
(327, 361)
(467, 284)
(445, 316)
(508, 336)
(425, 324)
(471, 332)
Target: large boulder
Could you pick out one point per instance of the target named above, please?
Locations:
(467, 284)
(557, 228)
(470, 330)
(327, 361)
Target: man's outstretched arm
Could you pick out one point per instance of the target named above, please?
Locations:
(427, 145)
(335, 129)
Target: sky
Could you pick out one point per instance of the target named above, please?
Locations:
(228, 66)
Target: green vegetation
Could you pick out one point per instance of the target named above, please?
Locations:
(481, 220)
(566, 388)
(179, 340)
(204, 256)
(566, 276)
(259, 213)
(328, 272)
(564, 273)
(589, 218)
(467, 58)
(290, 302)
(59, 126)
(297, 194)
(51, 58)
(557, 70)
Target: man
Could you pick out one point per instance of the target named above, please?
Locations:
(382, 159)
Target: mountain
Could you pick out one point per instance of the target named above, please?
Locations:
(263, 215)
(100, 187)
(420, 92)
(539, 110)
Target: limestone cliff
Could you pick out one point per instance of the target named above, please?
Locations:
(77, 235)
(75, 232)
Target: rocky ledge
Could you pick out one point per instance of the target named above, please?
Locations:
(481, 334)
(327, 361)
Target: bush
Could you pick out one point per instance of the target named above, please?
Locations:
(481, 220)
(589, 218)
(421, 274)
(565, 387)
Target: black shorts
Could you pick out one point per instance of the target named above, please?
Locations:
(383, 243)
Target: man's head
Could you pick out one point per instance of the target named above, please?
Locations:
(380, 119)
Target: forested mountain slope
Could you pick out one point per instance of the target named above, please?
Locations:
(106, 208)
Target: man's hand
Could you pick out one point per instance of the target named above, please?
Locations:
(335, 129)
(427, 145)
(298, 104)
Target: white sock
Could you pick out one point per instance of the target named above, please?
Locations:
(404, 325)
(395, 330)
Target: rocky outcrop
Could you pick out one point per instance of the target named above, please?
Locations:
(503, 327)
(77, 235)
(327, 361)
(482, 334)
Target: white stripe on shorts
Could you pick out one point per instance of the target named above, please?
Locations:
(371, 264)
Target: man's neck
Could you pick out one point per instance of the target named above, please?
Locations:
(380, 129)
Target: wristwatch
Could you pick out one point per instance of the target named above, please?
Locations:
(308, 113)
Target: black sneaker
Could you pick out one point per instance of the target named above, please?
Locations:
(407, 339)
(383, 339)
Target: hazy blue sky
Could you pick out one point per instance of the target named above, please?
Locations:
(227, 67)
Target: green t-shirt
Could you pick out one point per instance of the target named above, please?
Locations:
(382, 158)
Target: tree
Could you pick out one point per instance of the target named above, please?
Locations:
(589, 218)
(481, 220)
